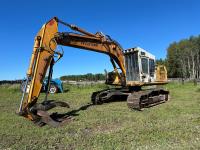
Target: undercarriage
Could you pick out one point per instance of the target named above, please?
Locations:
(136, 97)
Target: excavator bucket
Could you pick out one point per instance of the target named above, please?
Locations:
(42, 117)
(53, 119)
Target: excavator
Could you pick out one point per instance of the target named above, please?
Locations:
(134, 69)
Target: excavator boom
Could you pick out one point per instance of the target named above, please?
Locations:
(43, 54)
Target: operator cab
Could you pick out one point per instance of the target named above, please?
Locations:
(140, 65)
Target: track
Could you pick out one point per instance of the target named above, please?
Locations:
(147, 98)
(109, 95)
(135, 99)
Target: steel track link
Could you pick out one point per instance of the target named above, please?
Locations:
(147, 98)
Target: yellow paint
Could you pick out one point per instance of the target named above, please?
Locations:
(161, 73)
(43, 58)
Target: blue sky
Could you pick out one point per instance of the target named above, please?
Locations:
(150, 24)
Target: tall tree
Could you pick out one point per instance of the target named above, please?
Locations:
(183, 58)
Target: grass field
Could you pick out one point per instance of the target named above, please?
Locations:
(172, 125)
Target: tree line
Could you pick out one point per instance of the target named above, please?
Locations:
(84, 77)
(183, 58)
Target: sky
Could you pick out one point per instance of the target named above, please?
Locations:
(150, 24)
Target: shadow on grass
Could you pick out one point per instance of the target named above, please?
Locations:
(75, 111)
(66, 90)
(62, 117)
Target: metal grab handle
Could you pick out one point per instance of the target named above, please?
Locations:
(23, 94)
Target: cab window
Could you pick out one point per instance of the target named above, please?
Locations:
(144, 65)
(151, 67)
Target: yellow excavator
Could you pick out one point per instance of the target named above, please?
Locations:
(134, 68)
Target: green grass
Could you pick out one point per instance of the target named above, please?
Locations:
(172, 125)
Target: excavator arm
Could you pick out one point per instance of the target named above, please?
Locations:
(42, 58)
